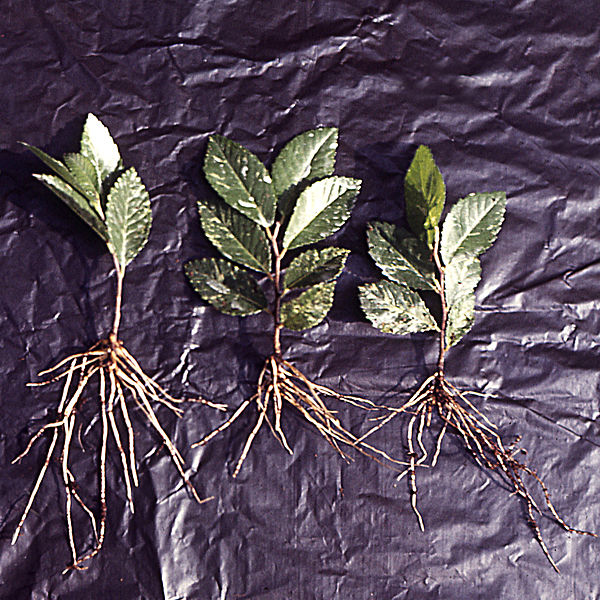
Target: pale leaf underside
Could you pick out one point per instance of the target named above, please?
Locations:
(394, 308)
(99, 148)
(128, 216)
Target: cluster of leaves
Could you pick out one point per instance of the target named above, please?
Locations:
(112, 200)
(415, 263)
(261, 215)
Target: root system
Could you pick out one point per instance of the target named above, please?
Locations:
(280, 382)
(120, 379)
(483, 442)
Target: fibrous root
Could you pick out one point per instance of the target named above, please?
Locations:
(119, 377)
(481, 439)
(281, 382)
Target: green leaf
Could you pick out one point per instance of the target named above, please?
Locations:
(235, 236)
(84, 173)
(321, 210)
(315, 266)
(402, 258)
(76, 202)
(424, 194)
(240, 179)
(460, 319)
(309, 308)
(394, 308)
(58, 167)
(461, 277)
(99, 148)
(128, 217)
(309, 156)
(472, 225)
(228, 288)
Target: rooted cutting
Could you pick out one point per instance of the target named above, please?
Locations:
(444, 263)
(262, 217)
(113, 201)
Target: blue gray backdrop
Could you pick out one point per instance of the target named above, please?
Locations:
(506, 94)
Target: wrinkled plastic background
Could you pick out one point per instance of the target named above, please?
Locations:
(506, 94)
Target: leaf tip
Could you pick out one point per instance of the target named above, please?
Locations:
(216, 139)
(423, 149)
(91, 120)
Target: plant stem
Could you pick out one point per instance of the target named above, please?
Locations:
(117, 320)
(278, 255)
(442, 292)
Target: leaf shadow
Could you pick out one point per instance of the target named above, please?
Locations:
(19, 189)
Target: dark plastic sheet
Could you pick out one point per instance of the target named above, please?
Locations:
(505, 94)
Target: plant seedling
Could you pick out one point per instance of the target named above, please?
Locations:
(113, 201)
(262, 217)
(444, 263)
